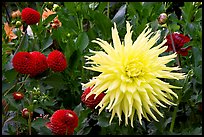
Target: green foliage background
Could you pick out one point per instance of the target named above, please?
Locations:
(83, 22)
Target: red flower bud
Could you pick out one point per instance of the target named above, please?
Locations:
(18, 95)
(25, 113)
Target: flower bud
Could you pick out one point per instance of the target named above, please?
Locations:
(18, 23)
(18, 96)
(162, 18)
(35, 101)
(25, 113)
(56, 7)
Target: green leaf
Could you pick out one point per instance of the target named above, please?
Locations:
(24, 46)
(101, 7)
(198, 73)
(198, 15)
(12, 102)
(103, 23)
(39, 123)
(47, 44)
(103, 121)
(39, 111)
(11, 75)
(78, 109)
(197, 58)
(6, 86)
(55, 80)
(119, 17)
(45, 131)
(82, 41)
(70, 6)
(49, 19)
(84, 131)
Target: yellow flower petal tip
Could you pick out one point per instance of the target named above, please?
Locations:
(130, 75)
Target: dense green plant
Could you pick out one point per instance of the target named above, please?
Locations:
(83, 22)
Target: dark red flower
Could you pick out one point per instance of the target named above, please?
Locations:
(63, 122)
(179, 41)
(32, 63)
(30, 16)
(23, 62)
(25, 113)
(18, 95)
(56, 61)
(40, 63)
(90, 101)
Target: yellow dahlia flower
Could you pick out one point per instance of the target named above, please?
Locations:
(130, 75)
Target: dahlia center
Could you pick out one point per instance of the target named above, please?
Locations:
(134, 68)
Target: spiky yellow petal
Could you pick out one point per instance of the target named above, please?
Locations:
(131, 75)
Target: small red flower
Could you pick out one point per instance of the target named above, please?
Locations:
(30, 16)
(90, 101)
(179, 41)
(56, 61)
(18, 95)
(25, 113)
(40, 63)
(23, 62)
(63, 122)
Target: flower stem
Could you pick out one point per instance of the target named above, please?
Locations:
(29, 123)
(21, 41)
(173, 118)
(23, 82)
(174, 49)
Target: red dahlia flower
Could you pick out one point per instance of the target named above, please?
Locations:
(30, 16)
(63, 122)
(90, 101)
(32, 63)
(18, 95)
(40, 63)
(56, 61)
(23, 62)
(179, 41)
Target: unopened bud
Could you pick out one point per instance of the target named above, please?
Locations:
(18, 23)
(56, 7)
(162, 18)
